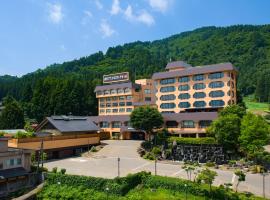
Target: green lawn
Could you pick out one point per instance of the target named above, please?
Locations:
(255, 106)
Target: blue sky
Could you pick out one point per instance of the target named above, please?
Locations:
(37, 33)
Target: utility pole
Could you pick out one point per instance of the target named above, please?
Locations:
(264, 174)
(118, 166)
(155, 165)
(41, 152)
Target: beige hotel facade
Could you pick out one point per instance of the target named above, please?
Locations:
(188, 98)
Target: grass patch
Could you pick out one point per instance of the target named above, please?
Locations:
(255, 106)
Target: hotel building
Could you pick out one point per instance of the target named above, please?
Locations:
(188, 98)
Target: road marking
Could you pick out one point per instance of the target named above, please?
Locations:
(141, 166)
(178, 172)
(78, 160)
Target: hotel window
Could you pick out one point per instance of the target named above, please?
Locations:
(184, 79)
(129, 97)
(167, 105)
(147, 99)
(108, 98)
(184, 105)
(216, 103)
(171, 124)
(167, 81)
(102, 99)
(127, 123)
(99, 93)
(232, 84)
(101, 111)
(147, 91)
(108, 110)
(120, 90)
(218, 93)
(199, 104)
(113, 91)
(107, 92)
(229, 83)
(184, 96)
(10, 163)
(183, 88)
(199, 95)
(216, 75)
(129, 103)
(204, 123)
(18, 161)
(115, 110)
(121, 103)
(188, 124)
(116, 124)
(216, 84)
(167, 89)
(121, 109)
(127, 90)
(108, 105)
(129, 109)
(167, 97)
(198, 77)
(114, 98)
(121, 98)
(102, 105)
(1, 165)
(114, 104)
(198, 86)
(104, 124)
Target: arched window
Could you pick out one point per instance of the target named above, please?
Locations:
(216, 103)
(171, 124)
(199, 104)
(167, 89)
(99, 92)
(183, 88)
(127, 90)
(216, 84)
(188, 124)
(167, 81)
(167, 97)
(113, 91)
(184, 105)
(120, 90)
(184, 79)
(104, 124)
(204, 123)
(198, 77)
(217, 93)
(199, 95)
(107, 92)
(167, 105)
(198, 86)
(216, 75)
(184, 96)
(116, 124)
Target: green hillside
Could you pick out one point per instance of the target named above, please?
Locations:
(68, 87)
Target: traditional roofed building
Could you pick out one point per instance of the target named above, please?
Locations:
(62, 136)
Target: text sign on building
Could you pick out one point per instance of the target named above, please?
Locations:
(111, 78)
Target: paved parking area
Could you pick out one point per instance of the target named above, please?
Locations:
(104, 164)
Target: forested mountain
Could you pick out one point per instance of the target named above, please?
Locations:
(68, 87)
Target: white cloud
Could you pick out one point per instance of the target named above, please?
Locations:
(159, 5)
(98, 4)
(55, 13)
(143, 16)
(87, 15)
(106, 29)
(115, 7)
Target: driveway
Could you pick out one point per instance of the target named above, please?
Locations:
(104, 164)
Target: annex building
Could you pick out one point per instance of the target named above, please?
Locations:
(188, 98)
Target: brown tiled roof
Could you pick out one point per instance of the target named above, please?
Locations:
(117, 86)
(175, 64)
(195, 116)
(195, 70)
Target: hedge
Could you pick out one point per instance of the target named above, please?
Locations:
(204, 140)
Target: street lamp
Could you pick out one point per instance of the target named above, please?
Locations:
(155, 165)
(107, 191)
(264, 174)
(118, 166)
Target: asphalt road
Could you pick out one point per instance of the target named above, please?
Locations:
(104, 164)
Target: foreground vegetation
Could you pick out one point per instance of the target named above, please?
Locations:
(137, 186)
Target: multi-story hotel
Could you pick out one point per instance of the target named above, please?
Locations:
(188, 98)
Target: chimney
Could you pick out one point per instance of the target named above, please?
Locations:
(3, 144)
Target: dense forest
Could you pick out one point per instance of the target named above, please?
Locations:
(68, 87)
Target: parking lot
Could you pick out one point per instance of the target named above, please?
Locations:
(105, 164)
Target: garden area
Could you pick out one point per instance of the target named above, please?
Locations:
(138, 186)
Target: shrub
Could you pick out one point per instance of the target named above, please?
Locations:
(156, 151)
(205, 140)
(146, 145)
(210, 164)
(149, 156)
(93, 149)
(21, 134)
(2, 134)
(54, 170)
(63, 171)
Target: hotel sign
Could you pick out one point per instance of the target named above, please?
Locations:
(111, 78)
